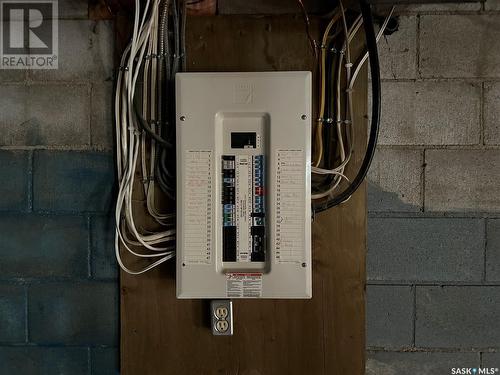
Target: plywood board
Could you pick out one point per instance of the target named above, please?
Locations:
(321, 336)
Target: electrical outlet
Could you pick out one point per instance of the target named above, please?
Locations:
(221, 312)
(222, 326)
(222, 317)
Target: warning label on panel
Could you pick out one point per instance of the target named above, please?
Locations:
(244, 285)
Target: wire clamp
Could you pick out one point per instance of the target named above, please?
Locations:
(348, 65)
(348, 122)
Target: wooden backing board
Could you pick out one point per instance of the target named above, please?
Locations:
(324, 335)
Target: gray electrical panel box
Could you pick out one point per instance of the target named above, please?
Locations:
(243, 185)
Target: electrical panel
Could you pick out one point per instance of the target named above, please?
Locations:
(243, 185)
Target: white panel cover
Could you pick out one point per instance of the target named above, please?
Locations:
(243, 185)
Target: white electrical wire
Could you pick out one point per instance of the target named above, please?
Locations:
(351, 76)
(137, 151)
(339, 170)
(365, 56)
(133, 145)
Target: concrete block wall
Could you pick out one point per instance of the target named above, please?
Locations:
(434, 224)
(59, 300)
(433, 264)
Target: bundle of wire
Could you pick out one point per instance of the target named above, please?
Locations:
(145, 136)
(334, 126)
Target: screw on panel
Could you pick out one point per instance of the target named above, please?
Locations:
(183, 118)
(304, 265)
(303, 117)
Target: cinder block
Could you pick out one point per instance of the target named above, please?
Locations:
(462, 180)
(492, 113)
(394, 180)
(14, 189)
(425, 249)
(491, 360)
(73, 181)
(32, 360)
(105, 361)
(458, 316)
(389, 316)
(85, 52)
(13, 75)
(460, 46)
(12, 314)
(44, 115)
(493, 250)
(430, 113)
(76, 314)
(102, 123)
(421, 363)
(441, 7)
(13, 100)
(102, 234)
(43, 246)
(492, 5)
(398, 52)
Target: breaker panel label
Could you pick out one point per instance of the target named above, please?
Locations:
(198, 208)
(289, 204)
(244, 285)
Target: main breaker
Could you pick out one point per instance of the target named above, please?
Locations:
(243, 185)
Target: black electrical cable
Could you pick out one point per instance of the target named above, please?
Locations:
(173, 58)
(144, 125)
(165, 173)
(371, 44)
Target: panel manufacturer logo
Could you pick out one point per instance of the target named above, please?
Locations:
(28, 34)
(243, 93)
